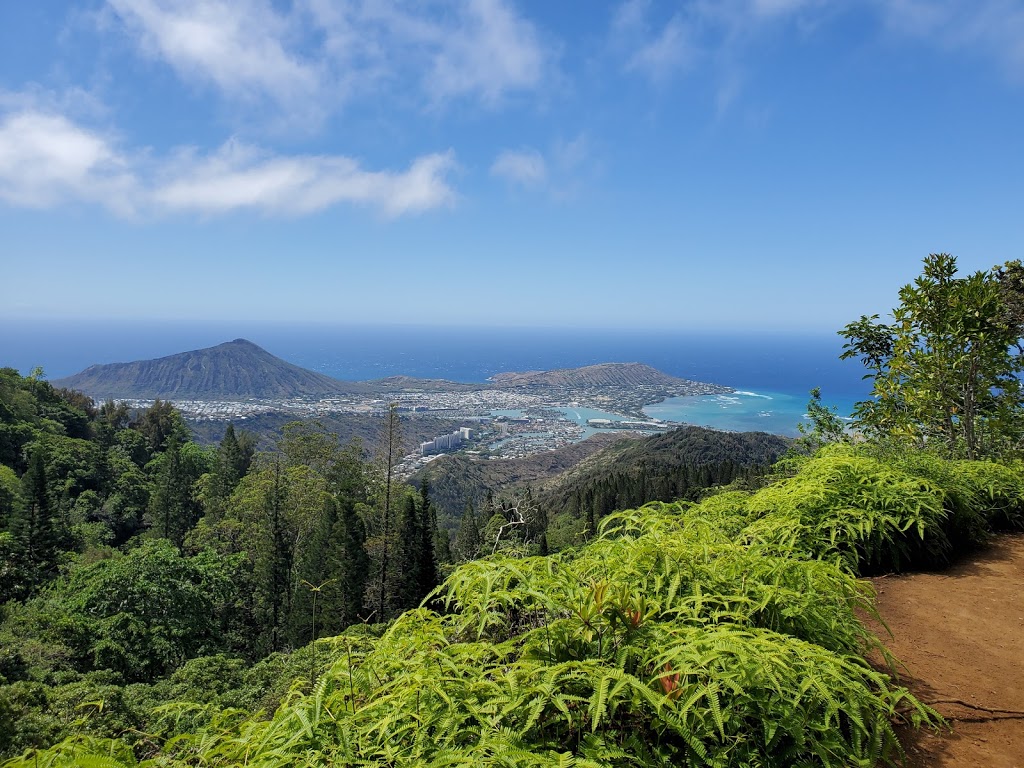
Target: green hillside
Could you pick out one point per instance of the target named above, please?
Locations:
(577, 485)
(678, 464)
(460, 479)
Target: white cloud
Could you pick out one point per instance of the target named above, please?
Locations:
(47, 160)
(312, 56)
(239, 177)
(522, 166)
(240, 46)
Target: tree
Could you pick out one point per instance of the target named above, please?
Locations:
(157, 423)
(517, 520)
(826, 426)
(415, 567)
(276, 558)
(427, 560)
(173, 508)
(391, 445)
(111, 418)
(276, 518)
(36, 538)
(346, 564)
(10, 494)
(143, 613)
(233, 458)
(467, 539)
(945, 370)
(407, 556)
(124, 509)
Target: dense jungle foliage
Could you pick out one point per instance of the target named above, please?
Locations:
(128, 552)
(172, 605)
(727, 632)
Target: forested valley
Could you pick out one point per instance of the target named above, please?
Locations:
(141, 567)
(166, 604)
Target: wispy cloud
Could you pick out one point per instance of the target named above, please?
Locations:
(489, 51)
(656, 52)
(778, 7)
(316, 55)
(662, 47)
(47, 160)
(991, 27)
(719, 31)
(562, 171)
(520, 166)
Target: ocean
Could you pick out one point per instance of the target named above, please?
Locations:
(772, 373)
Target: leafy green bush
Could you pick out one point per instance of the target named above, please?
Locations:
(667, 641)
(870, 515)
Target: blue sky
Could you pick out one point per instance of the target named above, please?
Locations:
(768, 164)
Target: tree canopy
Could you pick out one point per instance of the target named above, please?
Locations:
(945, 371)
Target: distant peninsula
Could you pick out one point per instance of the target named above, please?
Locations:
(601, 375)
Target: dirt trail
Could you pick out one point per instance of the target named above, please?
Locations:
(960, 634)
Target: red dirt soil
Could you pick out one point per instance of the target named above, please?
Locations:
(960, 634)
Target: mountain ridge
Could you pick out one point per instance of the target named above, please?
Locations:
(232, 370)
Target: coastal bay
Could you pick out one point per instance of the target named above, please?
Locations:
(743, 410)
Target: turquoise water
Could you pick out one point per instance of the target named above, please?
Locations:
(580, 416)
(745, 410)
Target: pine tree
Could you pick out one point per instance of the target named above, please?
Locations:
(408, 559)
(277, 560)
(467, 538)
(427, 557)
(348, 564)
(231, 464)
(172, 510)
(37, 540)
(442, 547)
(389, 450)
